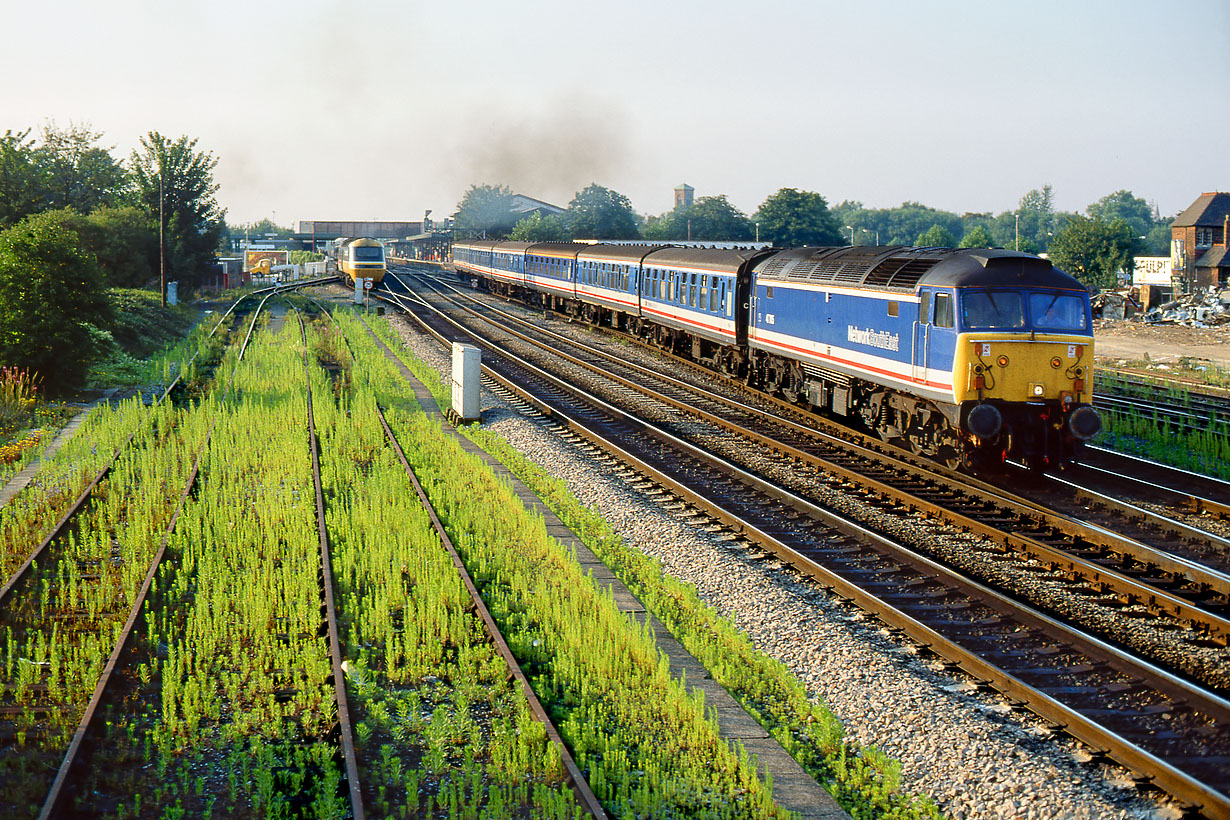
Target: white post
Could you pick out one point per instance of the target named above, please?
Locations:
(467, 369)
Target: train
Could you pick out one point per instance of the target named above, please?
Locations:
(360, 259)
(970, 357)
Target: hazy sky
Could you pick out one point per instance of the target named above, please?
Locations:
(382, 109)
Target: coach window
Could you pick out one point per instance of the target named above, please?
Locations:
(943, 310)
(924, 308)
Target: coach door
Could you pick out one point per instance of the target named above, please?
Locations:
(922, 331)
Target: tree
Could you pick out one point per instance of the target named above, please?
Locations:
(937, 236)
(486, 209)
(1033, 222)
(793, 218)
(53, 306)
(78, 173)
(179, 178)
(1123, 205)
(713, 218)
(539, 228)
(976, 237)
(901, 225)
(23, 188)
(1094, 251)
(262, 228)
(600, 213)
(125, 245)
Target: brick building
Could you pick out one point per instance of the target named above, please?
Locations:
(1198, 248)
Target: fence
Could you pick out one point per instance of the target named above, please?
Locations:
(280, 274)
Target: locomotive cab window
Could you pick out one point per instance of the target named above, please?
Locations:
(998, 309)
(1057, 311)
(924, 307)
(943, 310)
(892, 308)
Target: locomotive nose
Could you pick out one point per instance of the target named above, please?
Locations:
(1084, 422)
(984, 421)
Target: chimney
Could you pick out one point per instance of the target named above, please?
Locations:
(1225, 230)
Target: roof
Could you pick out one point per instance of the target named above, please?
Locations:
(1214, 257)
(1209, 210)
(523, 204)
(896, 267)
(683, 186)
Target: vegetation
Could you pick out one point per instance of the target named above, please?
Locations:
(1094, 251)
(1144, 433)
(793, 218)
(600, 213)
(173, 182)
(486, 210)
(74, 220)
(864, 781)
(142, 327)
(53, 306)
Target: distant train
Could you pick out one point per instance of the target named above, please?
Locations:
(969, 357)
(360, 259)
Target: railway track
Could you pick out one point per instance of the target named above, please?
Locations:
(1110, 564)
(85, 740)
(1154, 722)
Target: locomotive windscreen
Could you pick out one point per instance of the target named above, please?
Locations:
(367, 253)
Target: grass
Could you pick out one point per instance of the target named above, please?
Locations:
(1149, 435)
(142, 329)
(865, 781)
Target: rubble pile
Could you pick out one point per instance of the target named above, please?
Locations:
(1205, 308)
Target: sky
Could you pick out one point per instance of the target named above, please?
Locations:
(382, 109)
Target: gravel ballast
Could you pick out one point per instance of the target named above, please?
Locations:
(970, 751)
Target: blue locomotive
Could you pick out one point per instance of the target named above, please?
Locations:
(966, 356)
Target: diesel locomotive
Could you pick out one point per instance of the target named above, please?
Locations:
(360, 259)
(969, 357)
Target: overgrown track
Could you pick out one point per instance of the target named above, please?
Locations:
(585, 795)
(345, 731)
(586, 798)
(85, 741)
(1162, 726)
(1185, 409)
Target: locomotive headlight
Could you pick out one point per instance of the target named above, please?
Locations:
(1037, 389)
(1056, 362)
(1002, 361)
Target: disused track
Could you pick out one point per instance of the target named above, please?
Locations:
(1163, 727)
(345, 730)
(66, 785)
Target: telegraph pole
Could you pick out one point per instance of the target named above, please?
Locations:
(162, 252)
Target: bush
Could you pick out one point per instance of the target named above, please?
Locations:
(53, 306)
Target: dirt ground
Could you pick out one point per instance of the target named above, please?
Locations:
(1118, 343)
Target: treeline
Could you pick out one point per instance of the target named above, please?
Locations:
(75, 220)
(1095, 246)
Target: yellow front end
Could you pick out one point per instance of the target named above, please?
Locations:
(365, 270)
(1024, 367)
